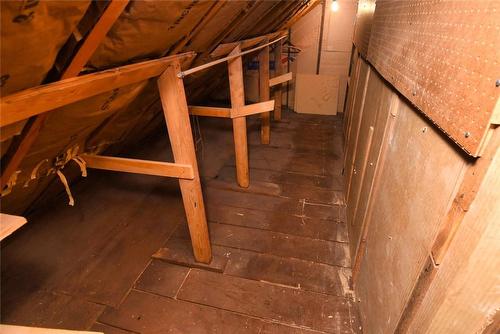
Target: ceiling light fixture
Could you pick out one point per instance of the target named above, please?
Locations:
(334, 6)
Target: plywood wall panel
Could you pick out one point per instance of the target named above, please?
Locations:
(358, 205)
(339, 26)
(316, 94)
(466, 281)
(363, 27)
(417, 183)
(444, 57)
(374, 93)
(355, 121)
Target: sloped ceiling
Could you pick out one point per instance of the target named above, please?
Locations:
(39, 39)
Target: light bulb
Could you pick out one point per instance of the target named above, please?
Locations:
(335, 6)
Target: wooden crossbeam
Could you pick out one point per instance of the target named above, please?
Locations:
(252, 109)
(9, 224)
(246, 110)
(280, 79)
(35, 101)
(137, 166)
(226, 48)
(210, 111)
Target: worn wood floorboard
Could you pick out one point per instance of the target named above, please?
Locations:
(120, 261)
(268, 301)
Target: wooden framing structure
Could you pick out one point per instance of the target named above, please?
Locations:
(239, 110)
(87, 49)
(39, 100)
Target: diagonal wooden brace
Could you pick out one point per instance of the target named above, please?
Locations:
(175, 109)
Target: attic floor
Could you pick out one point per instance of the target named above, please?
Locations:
(120, 260)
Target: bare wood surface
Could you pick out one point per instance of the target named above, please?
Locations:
(231, 56)
(461, 100)
(278, 70)
(9, 224)
(280, 79)
(12, 329)
(469, 187)
(252, 109)
(236, 87)
(210, 111)
(138, 166)
(35, 101)
(175, 108)
(265, 130)
(226, 48)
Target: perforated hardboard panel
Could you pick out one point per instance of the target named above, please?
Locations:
(444, 56)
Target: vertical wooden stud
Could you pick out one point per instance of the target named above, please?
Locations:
(265, 130)
(278, 70)
(236, 87)
(175, 109)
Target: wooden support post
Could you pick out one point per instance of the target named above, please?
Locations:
(278, 70)
(265, 130)
(236, 87)
(175, 109)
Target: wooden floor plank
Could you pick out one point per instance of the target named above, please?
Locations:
(309, 193)
(162, 278)
(179, 251)
(274, 328)
(51, 310)
(298, 274)
(227, 173)
(146, 313)
(267, 301)
(297, 225)
(280, 244)
(106, 329)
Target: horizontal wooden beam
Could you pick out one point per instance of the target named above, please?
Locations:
(252, 109)
(226, 48)
(35, 101)
(231, 56)
(10, 223)
(280, 79)
(146, 167)
(210, 111)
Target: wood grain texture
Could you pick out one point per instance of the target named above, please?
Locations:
(210, 111)
(11, 329)
(312, 310)
(413, 196)
(466, 282)
(176, 114)
(9, 224)
(265, 129)
(34, 101)
(237, 92)
(355, 122)
(364, 21)
(138, 166)
(443, 57)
